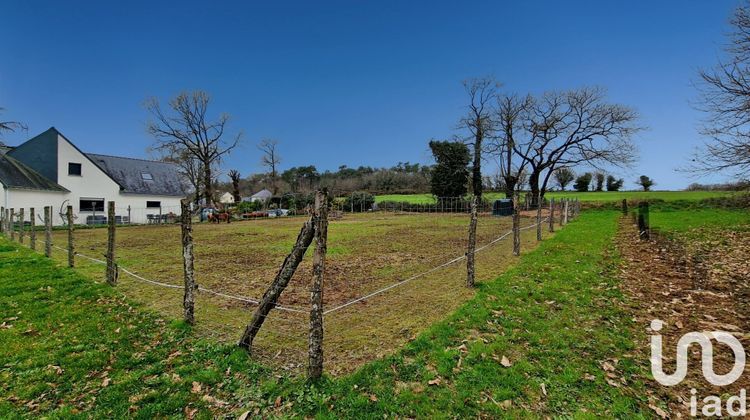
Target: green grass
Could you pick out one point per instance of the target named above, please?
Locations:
(587, 196)
(72, 348)
(555, 316)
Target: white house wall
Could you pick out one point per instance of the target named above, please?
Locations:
(92, 184)
(38, 200)
(96, 184)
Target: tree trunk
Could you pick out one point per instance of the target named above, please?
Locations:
(188, 301)
(534, 186)
(472, 243)
(271, 296)
(510, 186)
(315, 348)
(207, 189)
(477, 166)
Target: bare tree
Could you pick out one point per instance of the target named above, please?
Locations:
(565, 129)
(186, 129)
(480, 125)
(10, 126)
(511, 111)
(725, 98)
(235, 177)
(270, 159)
(190, 167)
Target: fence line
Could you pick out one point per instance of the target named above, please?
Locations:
(416, 276)
(174, 286)
(292, 323)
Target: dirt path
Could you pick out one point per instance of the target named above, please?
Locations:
(664, 280)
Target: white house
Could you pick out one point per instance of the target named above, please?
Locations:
(49, 170)
(226, 198)
(262, 196)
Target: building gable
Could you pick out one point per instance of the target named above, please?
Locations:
(40, 154)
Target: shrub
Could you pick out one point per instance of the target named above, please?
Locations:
(249, 206)
(359, 201)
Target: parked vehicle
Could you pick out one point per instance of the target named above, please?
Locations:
(278, 213)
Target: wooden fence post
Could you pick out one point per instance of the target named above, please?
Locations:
(2, 219)
(471, 247)
(643, 221)
(130, 219)
(516, 224)
(552, 215)
(539, 216)
(32, 232)
(565, 212)
(271, 296)
(48, 231)
(12, 224)
(188, 261)
(21, 227)
(315, 347)
(624, 206)
(111, 263)
(71, 245)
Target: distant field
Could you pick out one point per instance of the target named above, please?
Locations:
(587, 196)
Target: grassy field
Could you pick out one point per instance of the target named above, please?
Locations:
(587, 196)
(366, 252)
(69, 345)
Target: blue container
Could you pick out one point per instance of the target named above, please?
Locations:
(503, 207)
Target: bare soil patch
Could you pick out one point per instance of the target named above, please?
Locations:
(696, 285)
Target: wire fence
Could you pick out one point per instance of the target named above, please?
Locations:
(409, 275)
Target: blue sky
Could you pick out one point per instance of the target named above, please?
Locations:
(355, 83)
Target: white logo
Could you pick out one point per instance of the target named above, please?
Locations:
(707, 356)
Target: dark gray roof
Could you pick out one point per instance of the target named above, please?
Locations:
(14, 174)
(129, 173)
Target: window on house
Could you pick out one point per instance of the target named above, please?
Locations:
(74, 169)
(147, 176)
(91, 204)
(153, 204)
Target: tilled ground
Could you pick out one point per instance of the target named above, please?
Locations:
(366, 252)
(697, 284)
